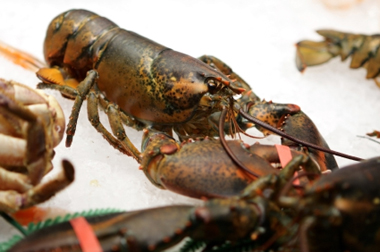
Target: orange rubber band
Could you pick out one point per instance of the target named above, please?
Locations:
(284, 154)
(86, 236)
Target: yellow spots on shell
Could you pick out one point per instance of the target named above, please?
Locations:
(148, 88)
(376, 201)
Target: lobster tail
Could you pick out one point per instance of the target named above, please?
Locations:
(363, 50)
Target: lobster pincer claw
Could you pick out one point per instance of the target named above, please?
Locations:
(123, 231)
(302, 127)
(200, 168)
(289, 119)
(272, 113)
(127, 231)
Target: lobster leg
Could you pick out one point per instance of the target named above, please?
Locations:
(85, 90)
(113, 114)
(123, 143)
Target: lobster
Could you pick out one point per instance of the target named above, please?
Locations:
(137, 82)
(31, 125)
(151, 84)
(208, 75)
(362, 48)
(342, 208)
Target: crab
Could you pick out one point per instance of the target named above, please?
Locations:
(31, 125)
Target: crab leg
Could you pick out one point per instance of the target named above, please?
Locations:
(11, 201)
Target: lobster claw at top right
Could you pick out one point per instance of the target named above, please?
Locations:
(363, 50)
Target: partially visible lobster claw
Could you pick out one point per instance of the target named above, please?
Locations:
(302, 127)
(362, 48)
(202, 168)
(289, 118)
(252, 217)
(310, 53)
(127, 231)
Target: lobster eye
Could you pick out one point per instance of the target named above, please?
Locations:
(212, 86)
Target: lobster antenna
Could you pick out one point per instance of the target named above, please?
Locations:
(225, 146)
(373, 140)
(299, 141)
(21, 58)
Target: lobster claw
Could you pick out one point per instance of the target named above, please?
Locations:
(302, 127)
(289, 120)
(185, 168)
(310, 53)
(272, 113)
(127, 231)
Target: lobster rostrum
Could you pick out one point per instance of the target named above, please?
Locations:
(341, 207)
(31, 125)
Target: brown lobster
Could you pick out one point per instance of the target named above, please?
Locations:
(165, 91)
(137, 81)
(336, 212)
